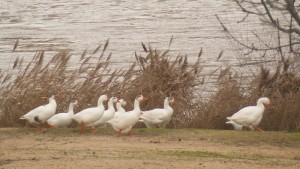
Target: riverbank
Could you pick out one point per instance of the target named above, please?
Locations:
(148, 148)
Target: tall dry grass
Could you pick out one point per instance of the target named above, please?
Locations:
(160, 75)
(281, 84)
(283, 88)
(23, 90)
(155, 74)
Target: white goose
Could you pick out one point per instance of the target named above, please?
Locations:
(108, 114)
(158, 117)
(124, 122)
(88, 116)
(251, 116)
(120, 109)
(42, 113)
(62, 120)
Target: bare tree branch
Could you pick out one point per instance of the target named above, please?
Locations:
(290, 35)
(244, 18)
(247, 11)
(252, 47)
(292, 10)
(274, 22)
(282, 15)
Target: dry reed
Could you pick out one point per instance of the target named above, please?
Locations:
(155, 74)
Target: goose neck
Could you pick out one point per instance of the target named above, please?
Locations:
(118, 105)
(137, 105)
(110, 104)
(52, 102)
(71, 109)
(260, 105)
(100, 103)
(166, 103)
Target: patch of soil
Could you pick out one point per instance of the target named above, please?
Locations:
(171, 149)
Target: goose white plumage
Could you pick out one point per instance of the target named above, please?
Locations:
(108, 114)
(158, 117)
(119, 106)
(251, 116)
(61, 120)
(237, 126)
(42, 113)
(88, 116)
(124, 122)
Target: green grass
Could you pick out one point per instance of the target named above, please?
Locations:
(217, 156)
(239, 138)
(211, 154)
(227, 137)
(182, 154)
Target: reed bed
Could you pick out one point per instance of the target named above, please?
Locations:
(155, 74)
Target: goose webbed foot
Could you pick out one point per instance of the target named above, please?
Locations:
(257, 128)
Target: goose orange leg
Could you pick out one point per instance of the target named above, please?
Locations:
(256, 128)
(130, 133)
(51, 126)
(120, 134)
(40, 127)
(92, 130)
(82, 127)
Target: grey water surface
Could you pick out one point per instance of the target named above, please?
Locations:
(80, 24)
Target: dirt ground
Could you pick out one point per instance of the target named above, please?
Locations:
(147, 148)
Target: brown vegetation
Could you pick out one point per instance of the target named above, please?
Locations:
(155, 75)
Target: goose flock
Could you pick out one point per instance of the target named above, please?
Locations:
(122, 121)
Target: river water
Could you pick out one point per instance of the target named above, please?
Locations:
(80, 24)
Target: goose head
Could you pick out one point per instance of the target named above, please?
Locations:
(141, 98)
(137, 101)
(263, 100)
(111, 102)
(102, 98)
(171, 100)
(75, 103)
(55, 94)
(114, 99)
(50, 99)
(122, 102)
